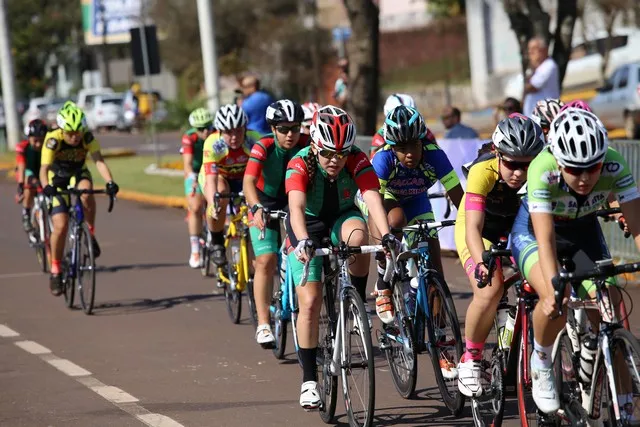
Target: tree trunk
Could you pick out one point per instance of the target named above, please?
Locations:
(567, 13)
(363, 57)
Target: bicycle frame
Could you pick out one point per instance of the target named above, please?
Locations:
(238, 228)
(76, 213)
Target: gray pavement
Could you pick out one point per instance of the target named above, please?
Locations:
(160, 349)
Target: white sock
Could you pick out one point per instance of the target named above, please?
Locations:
(195, 244)
(541, 356)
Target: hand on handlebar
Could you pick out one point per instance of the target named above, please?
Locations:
(260, 218)
(305, 250)
(392, 247)
(622, 223)
(481, 275)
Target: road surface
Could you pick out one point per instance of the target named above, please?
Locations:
(160, 349)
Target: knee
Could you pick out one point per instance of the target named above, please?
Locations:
(266, 263)
(309, 306)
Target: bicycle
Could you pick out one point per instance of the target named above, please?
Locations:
(432, 310)
(334, 350)
(234, 274)
(584, 396)
(79, 262)
(41, 230)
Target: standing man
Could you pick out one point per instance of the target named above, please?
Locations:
(341, 86)
(543, 81)
(254, 103)
(455, 129)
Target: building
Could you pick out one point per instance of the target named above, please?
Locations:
(395, 15)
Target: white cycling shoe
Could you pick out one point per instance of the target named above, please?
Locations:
(264, 336)
(310, 395)
(543, 384)
(469, 374)
(194, 260)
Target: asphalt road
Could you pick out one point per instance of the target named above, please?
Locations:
(167, 142)
(160, 349)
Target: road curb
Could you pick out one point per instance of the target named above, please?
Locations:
(152, 199)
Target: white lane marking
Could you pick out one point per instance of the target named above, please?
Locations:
(7, 332)
(17, 275)
(158, 420)
(32, 347)
(114, 394)
(68, 367)
(118, 397)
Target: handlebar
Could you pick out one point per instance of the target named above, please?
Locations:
(447, 213)
(267, 215)
(81, 191)
(424, 226)
(606, 215)
(489, 259)
(603, 270)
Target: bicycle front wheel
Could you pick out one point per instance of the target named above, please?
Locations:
(252, 303)
(566, 366)
(278, 325)
(86, 270)
(205, 256)
(358, 375)
(38, 225)
(232, 297)
(68, 276)
(445, 341)
(327, 381)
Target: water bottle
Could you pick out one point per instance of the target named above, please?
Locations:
(587, 355)
(501, 318)
(509, 326)
(235, 250)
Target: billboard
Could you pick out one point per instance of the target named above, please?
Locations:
(119, 16)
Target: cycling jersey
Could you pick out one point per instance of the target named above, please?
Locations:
(268, 163)
(219, 158)
(400, 182)
(377, 142)
(193, 144)
(28, 156)
(66, 160)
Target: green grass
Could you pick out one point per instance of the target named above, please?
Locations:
(428, 73)
(129, 173)
(7, 156)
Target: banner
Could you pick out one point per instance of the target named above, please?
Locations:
(112, 24)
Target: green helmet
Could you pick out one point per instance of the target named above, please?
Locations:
(71, 119)
(200, 118)
(67, 105)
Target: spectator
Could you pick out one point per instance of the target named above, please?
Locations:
(455, 129)
(254, 103)
(510, 105)
(341, 88)
(544, 81)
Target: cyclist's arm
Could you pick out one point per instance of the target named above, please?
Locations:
(474, 224)
(44, 174)
(631, 212)
(187, 155)
(21, 163)
(544, 231)
(101, 165)
(445, 172)
(373, 200)
(20, 168)
(456, 194)
(46, 159)
(253, 172)
(297, 204)
(210, 187)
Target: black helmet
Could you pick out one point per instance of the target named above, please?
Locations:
(284, 111)
(37, 127)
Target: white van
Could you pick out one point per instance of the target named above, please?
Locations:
(85, 96)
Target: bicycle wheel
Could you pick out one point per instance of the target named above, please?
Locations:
(445, 341)
(278, 327)
(205, 256)
(68, 277)
(232, 296)
(488, 409)
(38, 225)
(327, 382)
(529, 414)
(252, 303)
(401, 352)
(358, 375)
(86, 270)
(566, 365)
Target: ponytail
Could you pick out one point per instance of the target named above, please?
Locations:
(486, 148)
(312, 166)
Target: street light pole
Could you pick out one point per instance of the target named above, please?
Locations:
(8, 82)
(147, 78)
(103, 48)
(209, 55)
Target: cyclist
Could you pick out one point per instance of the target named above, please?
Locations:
(321, 183)
(309, 108)
(63, 163)
(485, 215)
(545, 111)
(263, 186)
(568, 182)
(28, 154)
(407, 165)
(225, 157)
(201, 122)
(392, 102)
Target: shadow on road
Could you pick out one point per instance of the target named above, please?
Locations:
(150, 266)
(145, 305)
(213, 406)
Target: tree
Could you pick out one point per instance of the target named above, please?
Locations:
(529, 20)
(363, 55)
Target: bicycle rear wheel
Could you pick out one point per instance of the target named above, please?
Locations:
(86, 270)
(488, 409)
(327, 382)
(38, 224)
(445, 341)
(400, 347)
(232, 296)
(358, 375)
(252, 303)
(205, 255)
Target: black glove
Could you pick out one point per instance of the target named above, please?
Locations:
(390, 241)
(49, 190)
(20, 188)
(112, 188)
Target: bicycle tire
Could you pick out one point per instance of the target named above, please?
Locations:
(527, 408)
(68, 280)
(86, 263)
(232, 297)
(252, 303)
(489, 412)
(327, 382)
(205, 257)
(406, 352)
(451, 395)
(565, 365)
(40, 236)
(279, 328)
(355, 310)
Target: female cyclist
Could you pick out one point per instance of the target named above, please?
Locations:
(394, 100)
(263, 187)
(545, 111)
(321, 183)
(568, 182)
(487, 213)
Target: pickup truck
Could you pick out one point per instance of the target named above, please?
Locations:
(617, 103)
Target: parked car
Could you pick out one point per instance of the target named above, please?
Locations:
(51, 110)
(617, 103)
(35, 110)
(86, 96)
(106, 111)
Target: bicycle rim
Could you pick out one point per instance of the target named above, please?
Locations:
(327, 383)
(37, 223)
(445, 341)
(488, 410)
(86, 270)
(358, 376)
(232, 297)
(252, 303)
(529, 415)
(626, 356)
(279, 328)
(68, 281)
(565, 365)
(401, 352)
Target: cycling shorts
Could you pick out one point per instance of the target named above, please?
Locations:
(60, 202)
(318, 230)
(188, 186)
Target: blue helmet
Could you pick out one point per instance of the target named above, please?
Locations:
(404, 124)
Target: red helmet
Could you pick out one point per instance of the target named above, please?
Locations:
(333, 129)
(578, 103)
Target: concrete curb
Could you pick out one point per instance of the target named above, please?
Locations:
(152, 199)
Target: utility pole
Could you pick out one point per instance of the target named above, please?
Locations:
(147, 78)
(104, 47)
(209, 55)
(8, 82)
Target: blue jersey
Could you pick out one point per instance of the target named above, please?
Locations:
(398, 182)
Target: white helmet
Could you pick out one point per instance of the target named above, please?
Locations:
(309, 108)
(230, 117)
(578, 138)
(398, 99)
(333, 129)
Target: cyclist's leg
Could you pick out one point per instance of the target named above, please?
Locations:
(30, 185)
(351, 228)
(84, 182)
(60, 223)
(195, 203)
(217, 226)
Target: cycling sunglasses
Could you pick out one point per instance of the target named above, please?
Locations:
(286, 129)
(574, 171)
(202, 129)
(329, 154)
(513, 165)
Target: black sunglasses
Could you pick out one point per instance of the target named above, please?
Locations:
(330, 154)
(202, 129)
(512, 165)
(286, 129)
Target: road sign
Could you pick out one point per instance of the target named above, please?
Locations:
(341, 34)
(113, 17)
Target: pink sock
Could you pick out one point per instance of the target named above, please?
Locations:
(473, 350)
